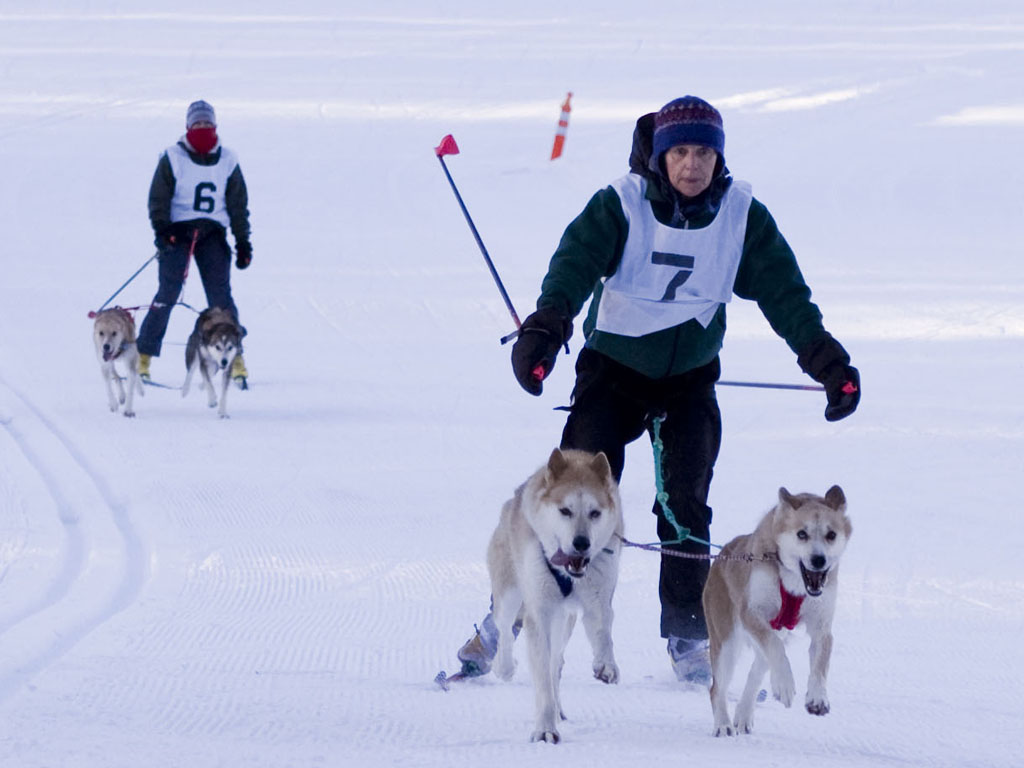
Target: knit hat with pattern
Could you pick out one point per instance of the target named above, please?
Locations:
(688, 120)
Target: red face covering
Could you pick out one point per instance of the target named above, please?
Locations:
(202, 139)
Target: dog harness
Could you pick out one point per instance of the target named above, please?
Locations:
(120, 350)
(564, 582)
(789, 612)
(667, 275)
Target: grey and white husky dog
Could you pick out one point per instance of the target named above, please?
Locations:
(213, 345)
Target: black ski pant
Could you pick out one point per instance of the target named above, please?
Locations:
(212, 259)
(613, 405)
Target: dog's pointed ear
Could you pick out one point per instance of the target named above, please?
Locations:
(835, 498)
(787, 499)
(557, 463)
(601, 467)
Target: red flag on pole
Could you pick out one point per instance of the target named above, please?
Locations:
(447, 146)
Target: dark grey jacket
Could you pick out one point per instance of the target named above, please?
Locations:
(161, 190)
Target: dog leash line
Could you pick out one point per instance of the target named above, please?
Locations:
(125, 285)
(748, 557)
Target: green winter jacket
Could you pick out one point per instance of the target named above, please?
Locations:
(592, 247)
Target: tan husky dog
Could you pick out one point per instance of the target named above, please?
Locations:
(554, 553)
(113, 334)
(791, 578)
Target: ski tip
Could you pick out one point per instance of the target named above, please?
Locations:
(442, 680)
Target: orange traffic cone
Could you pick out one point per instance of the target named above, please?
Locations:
(563, 126)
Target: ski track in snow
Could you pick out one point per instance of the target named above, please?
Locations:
(77, 492)
(280, 589)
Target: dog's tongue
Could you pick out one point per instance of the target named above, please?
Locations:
(576, 563)
(560, 558)
(107, 354)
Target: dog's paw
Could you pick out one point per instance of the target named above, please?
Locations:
(113, 406)
(225, 416)
(550, 736)
(783, 686)
(606, 671)
(130, 414)
(817, 706)
(504, 671)
(723, 730)
(743, 725)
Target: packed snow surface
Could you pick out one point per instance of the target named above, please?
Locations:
(280, 588)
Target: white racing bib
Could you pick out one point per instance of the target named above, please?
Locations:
(199, 190)
(668, 276)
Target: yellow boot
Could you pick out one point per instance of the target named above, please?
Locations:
(239, 374)
(144, 367)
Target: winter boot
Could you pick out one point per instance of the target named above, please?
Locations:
(239, 374)
(478, 652)
(691, 660)
(144, 367)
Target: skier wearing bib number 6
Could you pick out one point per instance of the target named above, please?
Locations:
(662, 250)
(197, 193)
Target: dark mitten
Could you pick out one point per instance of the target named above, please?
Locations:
(842, 387)
(243, 254)
(533, 355)
(825, 361)
(166, 237)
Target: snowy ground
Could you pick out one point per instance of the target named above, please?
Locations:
(279, 589)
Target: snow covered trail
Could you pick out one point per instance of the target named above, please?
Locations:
(280, 588)
(101, 564)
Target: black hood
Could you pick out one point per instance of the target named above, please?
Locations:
(641, 162)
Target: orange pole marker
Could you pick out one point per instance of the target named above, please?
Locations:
(563, 126)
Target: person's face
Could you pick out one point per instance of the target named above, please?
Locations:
(690, 167)
(202, 124)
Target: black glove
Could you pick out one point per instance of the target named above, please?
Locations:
(166, 237)
(825, 361)
(243, 254)
(842, 387)
(533, 355)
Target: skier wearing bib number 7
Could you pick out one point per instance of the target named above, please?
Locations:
(197, 192)
(662, 250)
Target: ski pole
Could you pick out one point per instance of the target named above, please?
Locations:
(766, 385)
(155, 255)
(449, 147)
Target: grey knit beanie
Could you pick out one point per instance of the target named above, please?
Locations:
(199, 111)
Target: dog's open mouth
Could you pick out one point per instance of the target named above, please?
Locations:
(574, 565)
(107, 355)
(814, 581)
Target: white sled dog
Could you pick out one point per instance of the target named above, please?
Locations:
(213, 345)
(791, 579)
(555, 552)
(113, 334)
